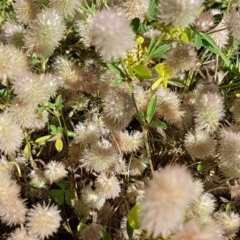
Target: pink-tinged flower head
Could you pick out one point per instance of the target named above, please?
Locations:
(179, 12)
(129, 142)
(12, 208)
(204, 22)
(119, 109)
(181, 57)
(14, 33)
(209, 110)
(11, 135)
(83, 28)
(99, 159)
(229, 150)
(220, 34)
(45, 32)
(12, 62)
(21, 234)
(24, 10)
(200, 144)
(166, 199)
(43, 220)
(169, 105)
(65, 7)
(111, 34)
(136, 8)
(34, 88)
(193, 231)
(27, 116)
(233, 23)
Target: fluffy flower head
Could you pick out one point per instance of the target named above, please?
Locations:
(21, 234)
(202, 208)
(45, 32)
(14, 33)
(136, 8)
(34, 88)
(232, 22)
(55, 171)
(119, 109)
(209, 110)
(229, 222)
(108, 187)
(179, 12)
(169, 105)
(11, 135)
(193, 231)
(129, 142)
(12, 62)
(199, 145)
(65, 7)
(230, 153)
(181, 57)
(43, 220)
(111, 34)
(165, 201)
(92, 199)
(24, 10)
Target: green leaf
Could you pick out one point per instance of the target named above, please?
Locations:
(104, 235)
(62, 184)
(198, 42)
(115, 69)
(132, 217)
(27, 149)
(158, 124)
(186, 36)
(69, 195)
(135, 23)
(58, 100)
(210, 44)
(176, 83)
(130, 230)
(42, 140)
(229, 207)
(152, 10)
(140, 117)
(159, 52)
(70, 133)
(59, 144)
(142, 71)
(57, 195)
(152, 105)
(53, 129)
(116, 82)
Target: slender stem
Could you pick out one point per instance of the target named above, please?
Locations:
(148, 149)
(145, 135)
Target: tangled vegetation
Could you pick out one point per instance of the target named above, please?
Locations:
(119, 120)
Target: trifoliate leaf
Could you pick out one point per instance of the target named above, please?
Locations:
(142, 71)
